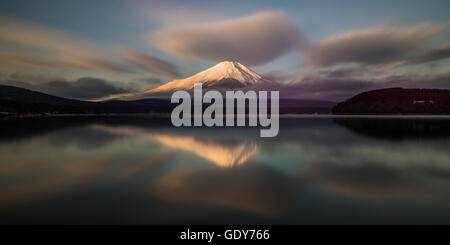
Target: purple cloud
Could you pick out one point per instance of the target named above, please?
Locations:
(342, 88)
(86, 88)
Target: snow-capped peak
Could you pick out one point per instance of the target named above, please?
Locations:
(231, 69)
(226, 74)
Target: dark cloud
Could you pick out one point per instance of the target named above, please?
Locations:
(369, 46)
(342, 88)
(432, 55)
(436, 54)
(83, 88)
(151, 63)
(151, 81)
(73, 62)
(325, 89)
(339, 73)
(251, 40)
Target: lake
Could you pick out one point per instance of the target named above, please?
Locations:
(142, 170)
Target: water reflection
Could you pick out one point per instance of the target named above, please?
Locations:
(252, 188)
(398, 128)
(383, 182)
(135, 170)
(221, 155)
(222, 152)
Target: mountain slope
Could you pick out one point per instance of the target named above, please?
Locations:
(22, 101)
(226, 74)
(19, 101)
(397, 101)
(11, 93)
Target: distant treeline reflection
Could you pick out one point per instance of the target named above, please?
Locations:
(398, 128)
(379, 128)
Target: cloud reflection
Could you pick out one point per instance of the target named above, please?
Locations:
(252, 188)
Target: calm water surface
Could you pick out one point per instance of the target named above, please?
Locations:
(141, 170)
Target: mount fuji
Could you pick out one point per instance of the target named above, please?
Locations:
(227, 75)
(224, 75)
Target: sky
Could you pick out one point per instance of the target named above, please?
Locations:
(326, 50)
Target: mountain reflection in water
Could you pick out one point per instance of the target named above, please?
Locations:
(139, 170)
(219, 153)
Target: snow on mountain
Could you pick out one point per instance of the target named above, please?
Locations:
(226, 74)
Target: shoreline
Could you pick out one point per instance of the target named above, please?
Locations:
(7, 116)
(4, 116)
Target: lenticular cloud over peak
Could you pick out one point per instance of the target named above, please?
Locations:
(240, 39)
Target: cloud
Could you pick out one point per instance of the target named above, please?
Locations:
(432, 55)
(346, 64)
(252, 40)
(370, 46)
(171, 13)
(150, 80)
(89, 63)
(151, 63)
(29, 34)
(84, 88)
(342, 88)
(262, 37)
(58, 49)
